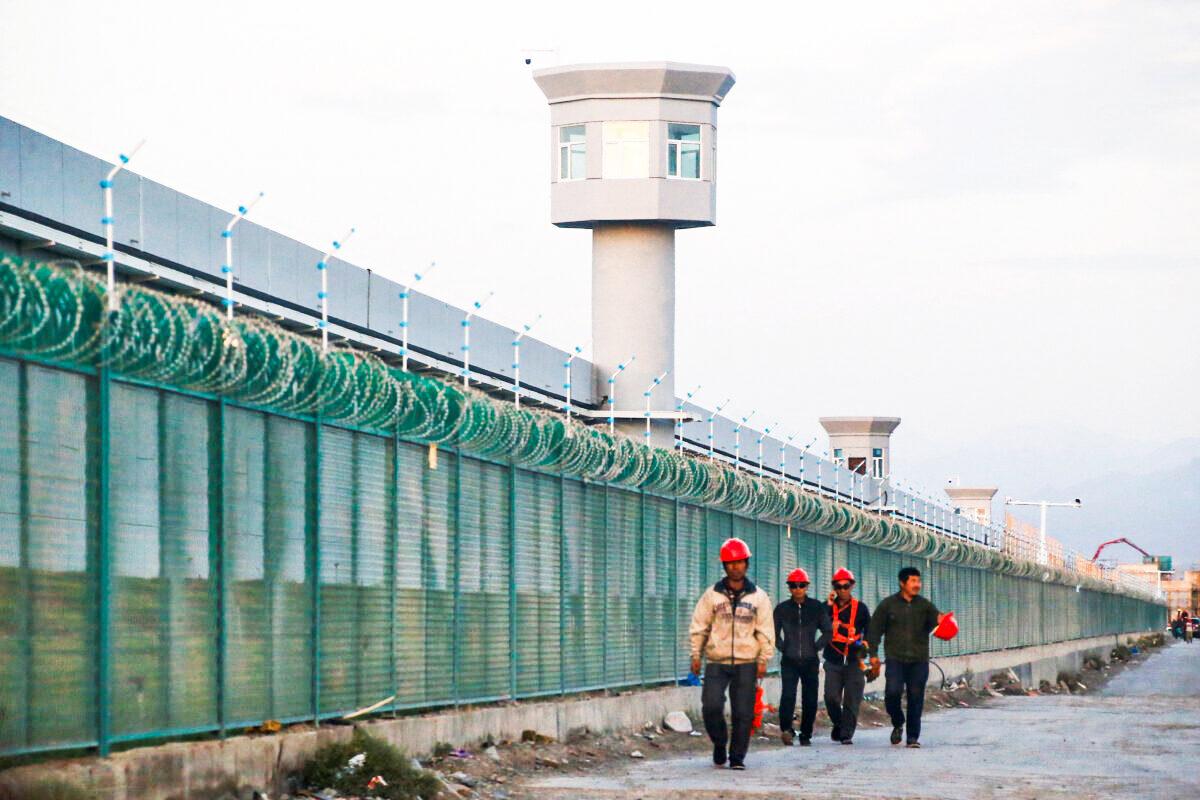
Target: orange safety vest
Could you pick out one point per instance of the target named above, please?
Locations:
(844, 632)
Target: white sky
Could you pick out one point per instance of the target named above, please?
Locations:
(981, 217)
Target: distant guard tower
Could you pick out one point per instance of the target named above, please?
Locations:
(973, 502)
(633, 157)
(863, 444)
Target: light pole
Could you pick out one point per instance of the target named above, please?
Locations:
(517, 359)
(737, 440)
(404, 294)
(679, 421)
(227, 267)
(567, 380)
(110, 256)
(804, 460)
(650, 391)
(1043, 505)
(466, 345)
(323, 295)
(612, 393)
(711, 417)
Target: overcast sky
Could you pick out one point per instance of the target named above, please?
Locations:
(981, 217)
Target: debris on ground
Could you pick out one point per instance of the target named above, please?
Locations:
(678, 722)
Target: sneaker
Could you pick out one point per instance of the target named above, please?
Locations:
(847, 741)
(788, 737)
(806, 741)
(897, 734)
(736, 765)
(913, 743)
(719, 755)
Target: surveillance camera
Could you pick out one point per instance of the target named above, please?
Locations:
(528, 61)
(1078, 502)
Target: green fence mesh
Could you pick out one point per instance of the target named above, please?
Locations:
(204, 525)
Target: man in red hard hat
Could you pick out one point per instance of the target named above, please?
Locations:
(845, 681)
(797, 621)
(731, 628)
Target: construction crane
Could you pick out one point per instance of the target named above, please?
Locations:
(1122, 540)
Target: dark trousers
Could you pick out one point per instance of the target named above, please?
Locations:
(741, 680)
(844, 687)
(807, 674)
(906, 678)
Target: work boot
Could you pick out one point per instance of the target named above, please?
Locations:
(847, 741)
(787, 737)
(806, 741)
(913, 743)
(719, 755)
(897, 734)
(836, 735)
(736, 765)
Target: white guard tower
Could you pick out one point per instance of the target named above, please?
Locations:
(633, 157)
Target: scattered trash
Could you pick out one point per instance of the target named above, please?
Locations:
(677, 721)
(376, 782)
(357, 761)
(270, 726)
(492, 753)
(695, 733)
(534, 737)
(465, 779)
(636, 754)
(458, 752)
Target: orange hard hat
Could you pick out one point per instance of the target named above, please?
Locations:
(843, 574)
(948, 628)
(734, 550)
(797, 576)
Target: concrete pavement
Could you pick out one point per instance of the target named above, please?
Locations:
(1138, 737)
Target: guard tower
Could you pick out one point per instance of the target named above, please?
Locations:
(633, 158)
(973, 502)
(863, 444)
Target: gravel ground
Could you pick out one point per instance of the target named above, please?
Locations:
(1123, 741)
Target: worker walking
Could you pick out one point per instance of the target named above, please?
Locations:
(845, 680)
(731, 628)
(903, 622)
(797, 622)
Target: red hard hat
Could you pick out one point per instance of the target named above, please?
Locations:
(797, 576)
(843, 574)
(734, 550)
(948, 628)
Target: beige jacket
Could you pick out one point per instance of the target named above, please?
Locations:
(741, 636)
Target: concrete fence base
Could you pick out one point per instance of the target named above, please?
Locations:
(194, 770)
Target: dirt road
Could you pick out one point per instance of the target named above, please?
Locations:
(1138, 737)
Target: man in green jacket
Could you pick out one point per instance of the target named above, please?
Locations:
(903, 622)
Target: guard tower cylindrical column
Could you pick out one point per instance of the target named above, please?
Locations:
(633, 157)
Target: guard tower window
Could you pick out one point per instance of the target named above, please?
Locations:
(683, 151)
(837, 456)
(877, 462)
(626, 150)
(572, 153)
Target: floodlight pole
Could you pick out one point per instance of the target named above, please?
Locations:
(227, 267)
(737, 441)
(650, 391)
(466, 345)
(323, 295)
(711, 417)
(1043, 505)
(612, 391)
(110, 255)
(404, 295)
(679, 420)
(804, 460)
(517, 359)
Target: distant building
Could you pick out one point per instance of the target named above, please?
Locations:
(1183, 592)
(974, 503)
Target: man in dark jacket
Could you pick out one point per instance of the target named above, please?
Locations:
(844, 652)
(903, 622)
(797, 621)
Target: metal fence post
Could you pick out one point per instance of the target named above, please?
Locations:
(675, 601)
(393, 565)
(604, 583)
(315, 563)
(104, 570)
(456, 616)
(216, 548)
(641, 558)
(562, 583)
(512, 580)
(26, 565)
